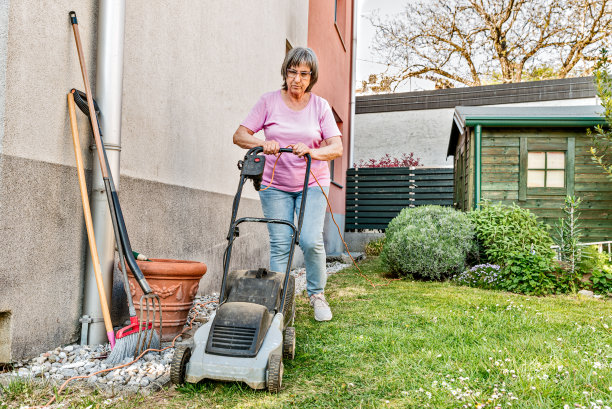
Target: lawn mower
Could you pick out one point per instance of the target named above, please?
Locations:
(250, 333)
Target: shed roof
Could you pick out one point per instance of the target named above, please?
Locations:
(581, 116)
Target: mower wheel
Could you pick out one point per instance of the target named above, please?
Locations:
(289, 343)
(182, 354)
(274, 374)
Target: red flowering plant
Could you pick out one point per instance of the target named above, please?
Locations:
(405, 161)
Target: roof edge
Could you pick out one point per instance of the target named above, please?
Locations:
(534, 121)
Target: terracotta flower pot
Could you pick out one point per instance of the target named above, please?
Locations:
(176, 283)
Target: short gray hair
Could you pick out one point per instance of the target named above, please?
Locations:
(297, 56)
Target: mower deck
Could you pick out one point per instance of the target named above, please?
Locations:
(252, 371)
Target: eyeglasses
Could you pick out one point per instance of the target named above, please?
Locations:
(291, 73)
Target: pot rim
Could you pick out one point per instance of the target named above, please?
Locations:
(170, 267)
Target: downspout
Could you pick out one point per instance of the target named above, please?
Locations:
(477, 160)
(353, 76)
(109, 88)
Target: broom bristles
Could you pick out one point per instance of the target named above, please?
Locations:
(125, 347)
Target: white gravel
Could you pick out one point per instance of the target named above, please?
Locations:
(148, 374)
(300, 274)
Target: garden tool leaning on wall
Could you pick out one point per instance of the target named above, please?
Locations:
(139, 334)
(139, 330)
(89, 223)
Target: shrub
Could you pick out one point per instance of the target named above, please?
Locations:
(374, 247)
(507, 231)
(602, 280)
(591, 260)
(487, 276)
(387, 161)
(429, 242)
(529, 273)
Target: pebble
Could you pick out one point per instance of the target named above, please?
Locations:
(68, 373)
(74, 365)
(65, 362)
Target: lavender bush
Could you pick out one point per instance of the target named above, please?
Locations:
(428, 242)
(487, 276)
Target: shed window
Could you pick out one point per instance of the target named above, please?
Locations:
(546, 169)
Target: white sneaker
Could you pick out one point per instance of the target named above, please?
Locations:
(322, 312)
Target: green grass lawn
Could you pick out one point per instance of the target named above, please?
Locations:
(417, 344)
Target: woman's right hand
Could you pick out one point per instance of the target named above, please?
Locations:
(271, 147)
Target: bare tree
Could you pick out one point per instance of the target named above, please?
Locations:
(472, 42)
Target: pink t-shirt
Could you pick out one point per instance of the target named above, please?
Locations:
(311, 126)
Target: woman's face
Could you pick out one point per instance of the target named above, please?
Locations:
(298, 79)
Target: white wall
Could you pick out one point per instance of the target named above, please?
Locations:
(192, 71)
(191, 76)
(424, 132)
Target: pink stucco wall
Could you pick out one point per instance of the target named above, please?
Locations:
(330, 36)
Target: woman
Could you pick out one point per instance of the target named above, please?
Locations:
(295, 117)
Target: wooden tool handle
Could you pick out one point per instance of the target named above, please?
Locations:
(92, 111)
(88, 221)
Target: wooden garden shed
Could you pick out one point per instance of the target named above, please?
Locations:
(533, 156)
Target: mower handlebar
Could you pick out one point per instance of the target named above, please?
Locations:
(258, 149)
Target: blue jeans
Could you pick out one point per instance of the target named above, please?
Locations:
(279, 204)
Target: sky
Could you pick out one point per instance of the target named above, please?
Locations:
(365, 35)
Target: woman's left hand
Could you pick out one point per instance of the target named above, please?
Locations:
(300, 149)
